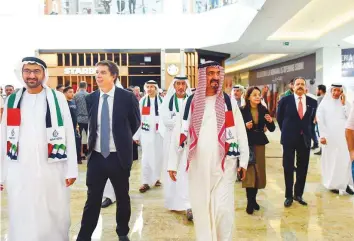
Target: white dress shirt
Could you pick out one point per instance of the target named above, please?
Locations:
(110, 99)
(303, 100)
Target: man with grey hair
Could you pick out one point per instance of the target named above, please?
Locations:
(82, 114)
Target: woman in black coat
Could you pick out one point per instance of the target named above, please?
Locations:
(257, 121)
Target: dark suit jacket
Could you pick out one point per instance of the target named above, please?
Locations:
(126, 121)
(256, 135)
(290, 123)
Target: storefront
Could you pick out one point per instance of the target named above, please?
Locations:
(70, 67)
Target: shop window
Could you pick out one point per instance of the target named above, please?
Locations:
(60, 59)
(124, 81)
(88, 60)
(144, 59)
(81, 60)
(124, 60)
(144, 71)
(110, 56)
(66, 80)
(95, 59)
(60, 80)
(67, 59)
(102, 57)
(73, 59)
(116, 59)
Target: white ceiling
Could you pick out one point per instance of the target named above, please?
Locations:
(326, 24)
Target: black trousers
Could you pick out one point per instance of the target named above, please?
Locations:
(99, 169)
(314, 135)
(132, 4)
(135, 152)
(302, 162)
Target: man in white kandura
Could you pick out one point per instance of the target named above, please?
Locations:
(38, 157)
(237, 94)
(332, 115)
(175, 187)
(149, 137)
(217, 133)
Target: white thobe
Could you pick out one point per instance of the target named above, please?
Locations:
(151, 146)
(109, 191)
(335, 159)
(176, 193)
(211, 190)
(38, 199)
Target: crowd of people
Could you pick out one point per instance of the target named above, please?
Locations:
(195, 143)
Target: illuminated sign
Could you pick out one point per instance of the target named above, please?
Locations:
(79, 71)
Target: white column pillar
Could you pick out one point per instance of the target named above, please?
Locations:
(183, 64)
(328, 65)
(163, 74)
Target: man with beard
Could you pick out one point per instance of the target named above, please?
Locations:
(149, 137)
(175, 187)
(9, 89)
(332, 116)
(38, 157)
(295, 116)
(321, 91)
(217, 136)
(290, 91)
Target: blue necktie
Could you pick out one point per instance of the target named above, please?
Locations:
(105, 127)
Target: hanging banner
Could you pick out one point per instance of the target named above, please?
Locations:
(348, 62)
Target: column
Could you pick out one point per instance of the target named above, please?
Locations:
(183, 64)
(328, 66)
(163, 67)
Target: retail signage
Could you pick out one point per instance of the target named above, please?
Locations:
(281, 70)
(348, 62)
(83, 71)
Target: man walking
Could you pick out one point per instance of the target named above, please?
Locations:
(81, 110)
(38, 157)
(295, 116)
(110, 149)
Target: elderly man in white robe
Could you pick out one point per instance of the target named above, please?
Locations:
(175, 187)
(38, 157)
(149, 137)
(332, 115)
(215, 133)
(237, 94)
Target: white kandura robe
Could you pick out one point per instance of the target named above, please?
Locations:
(38, 199)
(335, 159)
(151, 146)
(176, 193)
(109, 191)
(211, 190)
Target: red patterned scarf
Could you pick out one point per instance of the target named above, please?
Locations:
(198, 107)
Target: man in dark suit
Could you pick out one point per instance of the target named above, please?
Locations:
(295, 116)
(114, 117)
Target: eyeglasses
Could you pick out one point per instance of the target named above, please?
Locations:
(35, 72)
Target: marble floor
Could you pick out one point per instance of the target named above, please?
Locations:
(328, 216)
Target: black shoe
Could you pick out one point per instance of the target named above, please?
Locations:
(300, 200)
(349, 191)
(335, 191)
(256, 206)
(288, 202)
(106, 203)
(189, 215)
(124, 238)
(249, 208)
(319, 153)
(79, 162)
(314, 147)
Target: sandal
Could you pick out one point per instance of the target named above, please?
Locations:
(144, 188)
(158, 183)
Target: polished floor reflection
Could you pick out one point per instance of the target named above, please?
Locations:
(328, 216)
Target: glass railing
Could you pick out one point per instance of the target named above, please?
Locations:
(200, 6)
(90, 7)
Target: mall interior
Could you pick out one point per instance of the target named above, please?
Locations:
(263, 43)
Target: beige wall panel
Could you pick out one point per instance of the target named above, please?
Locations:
(50, 59)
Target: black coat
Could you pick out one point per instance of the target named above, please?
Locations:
(256, 134)
(291, 125)
(126, 121)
